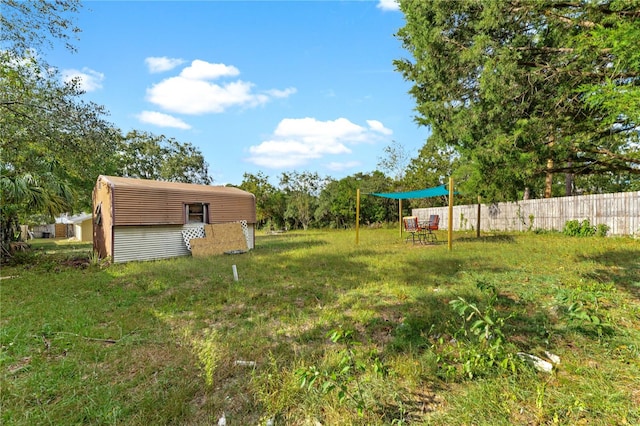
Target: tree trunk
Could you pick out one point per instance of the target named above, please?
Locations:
(568, 182)
(549, 179)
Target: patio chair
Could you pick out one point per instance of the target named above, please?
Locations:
(412, 226)
(429, 227)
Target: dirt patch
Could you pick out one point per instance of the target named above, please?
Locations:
(78, 262)
(19, 366)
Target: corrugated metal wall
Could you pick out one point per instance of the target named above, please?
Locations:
(147, 243)
(143, 206)
(619, 211)
(152, 242)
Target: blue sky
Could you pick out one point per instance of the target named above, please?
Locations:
(256, 86)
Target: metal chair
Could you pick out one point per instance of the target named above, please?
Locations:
(432, 225)
(412, 226)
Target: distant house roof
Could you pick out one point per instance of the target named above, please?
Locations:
(80, 218)
(70, 220)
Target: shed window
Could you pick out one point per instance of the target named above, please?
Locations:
(196, 213)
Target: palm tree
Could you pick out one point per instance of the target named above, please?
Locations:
(24, 194)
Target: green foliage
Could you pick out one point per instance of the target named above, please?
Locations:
(394, 161)
(147, 156)
(479, 346)
(532, 218)
(576, 228)
(582, 309)
(270, 203)
(301, 190)
(432, 166)
(305, 199)
(519, 93)
(602, 230)
(52, 144)
(36, 24)
(345, 378)
(27, 193)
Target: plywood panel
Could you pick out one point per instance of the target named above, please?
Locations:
(218, 239)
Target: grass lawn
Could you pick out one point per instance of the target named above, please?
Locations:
(318, 330)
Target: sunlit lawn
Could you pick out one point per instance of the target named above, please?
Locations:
(180, 342)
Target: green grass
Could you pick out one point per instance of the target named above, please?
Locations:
(157, 342)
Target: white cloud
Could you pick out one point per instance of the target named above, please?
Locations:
(388, 5)
(296, 141)
(161, 64)
(377, 126)
(191, 92)
(275, 93)
(187, 96)
(162, 120)
(201, 70)
(88, 79)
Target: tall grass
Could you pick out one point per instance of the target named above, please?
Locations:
(180, 342)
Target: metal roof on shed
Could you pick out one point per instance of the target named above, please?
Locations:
(162, 186)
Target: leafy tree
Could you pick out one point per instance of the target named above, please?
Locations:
(523, 90)
(24, 192)
(147, 156)
(49, 140)
(395, 160)
(432, 167)
(301, 190)
(52, 144)
(337, 201)
(376, 209)
(28, 25)
(270, 205)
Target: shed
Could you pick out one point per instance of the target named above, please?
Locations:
(139, 219)
(82, 227)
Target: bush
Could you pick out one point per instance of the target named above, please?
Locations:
(602, 230)
(575, 228)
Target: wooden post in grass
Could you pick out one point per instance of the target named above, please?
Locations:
(400, 216)
(450, 213)
(357, 216)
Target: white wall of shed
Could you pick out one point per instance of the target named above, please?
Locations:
(151, 242)
(83, 231)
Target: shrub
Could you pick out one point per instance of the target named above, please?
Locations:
(575, 228)
(602, 230)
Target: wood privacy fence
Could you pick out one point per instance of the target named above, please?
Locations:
(619, 211)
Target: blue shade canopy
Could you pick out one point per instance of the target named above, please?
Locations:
(436, 191)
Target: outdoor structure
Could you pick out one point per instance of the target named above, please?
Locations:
(138, 219)
(437, 191)
(82, 227)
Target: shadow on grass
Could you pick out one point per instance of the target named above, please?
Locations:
(279, 243)
(620, 267)
(487, 239)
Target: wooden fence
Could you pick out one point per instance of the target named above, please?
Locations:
(619, 211)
